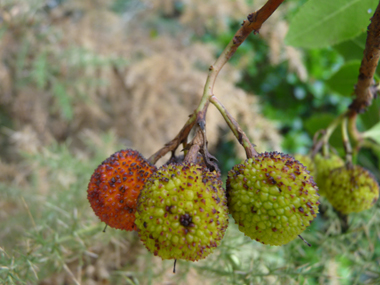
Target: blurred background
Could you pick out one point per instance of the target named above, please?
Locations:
(80, 80)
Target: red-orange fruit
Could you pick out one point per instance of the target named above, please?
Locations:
(115, 186)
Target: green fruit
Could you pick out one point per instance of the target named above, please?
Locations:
(324, 167)
(182, 212)
(352, 189)
(272, 197)
(307, 161)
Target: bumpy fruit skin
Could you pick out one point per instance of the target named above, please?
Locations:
(352, 190)
(272, 197)
(324, 167)
(308, 162)
(182, 212)
(115, 186)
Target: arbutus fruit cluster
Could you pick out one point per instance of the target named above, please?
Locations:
(181, 210)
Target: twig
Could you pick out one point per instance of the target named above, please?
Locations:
(364, 92)
(252, 24)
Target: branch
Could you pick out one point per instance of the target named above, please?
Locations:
(252, 24)
(364, 90)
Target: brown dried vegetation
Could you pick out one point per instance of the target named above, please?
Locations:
(82, 66)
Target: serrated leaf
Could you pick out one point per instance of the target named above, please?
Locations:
(322, 23)
(373, 133)
(344, 80)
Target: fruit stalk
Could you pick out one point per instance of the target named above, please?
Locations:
(194, 148)
(235, 128)
(330, 129)
(346, 143)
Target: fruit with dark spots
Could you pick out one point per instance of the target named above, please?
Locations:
(272, 213)
(115, 186)
(182, 212)
(352, 189)
(324, 166)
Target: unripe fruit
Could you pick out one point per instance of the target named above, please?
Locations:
(115, 186)
(324, 167)
(182, 212)
(308, 162)
(272, 197)
(352, 189)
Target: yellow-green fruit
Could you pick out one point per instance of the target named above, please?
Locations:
(182, 212)
(307, 161)
(352, 190)
(272, 197)
(324, 167)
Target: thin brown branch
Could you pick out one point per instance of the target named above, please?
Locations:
(252, 24)
(364, 90)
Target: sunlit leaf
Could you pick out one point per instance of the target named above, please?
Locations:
(321, 23)
(352, 49)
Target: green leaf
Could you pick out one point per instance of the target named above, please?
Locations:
(320, 122)
(353, 48)
(373, 133)
(321, 23)
(370, 117)
(344, 80)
